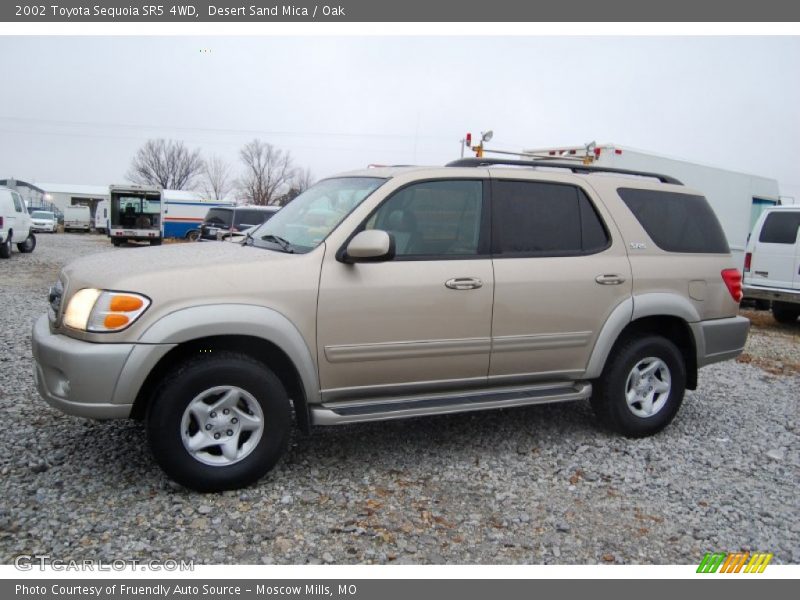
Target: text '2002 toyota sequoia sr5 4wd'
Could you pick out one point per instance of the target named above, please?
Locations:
(400, 292)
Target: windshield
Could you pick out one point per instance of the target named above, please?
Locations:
(307, 220)
(41, 214)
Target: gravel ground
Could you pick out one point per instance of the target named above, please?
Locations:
(533, 485)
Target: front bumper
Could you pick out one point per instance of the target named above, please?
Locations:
(95, 380)
(720, 339)
(771, 293)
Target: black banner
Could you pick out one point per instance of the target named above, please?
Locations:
(389, 589)
(240, 11)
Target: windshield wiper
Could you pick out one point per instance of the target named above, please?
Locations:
(284, 244)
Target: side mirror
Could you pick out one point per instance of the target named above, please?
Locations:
(372, 245)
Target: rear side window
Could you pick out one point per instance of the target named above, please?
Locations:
(780, 228)
(17, 202)
(219, 217)
(677, 222)
(532, 218)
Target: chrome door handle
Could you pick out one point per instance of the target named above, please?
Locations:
(609, 279)
(464, 283)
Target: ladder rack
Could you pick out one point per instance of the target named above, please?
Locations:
(575, 168)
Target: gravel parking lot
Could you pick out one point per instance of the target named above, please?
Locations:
(534, 485)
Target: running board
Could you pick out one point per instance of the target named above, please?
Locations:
(401, 407)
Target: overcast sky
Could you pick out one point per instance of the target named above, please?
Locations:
(75, 109)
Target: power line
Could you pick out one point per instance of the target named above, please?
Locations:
(221, 130)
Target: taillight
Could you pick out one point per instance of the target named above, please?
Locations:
(1, 222)
(747, 259)
(733, 280)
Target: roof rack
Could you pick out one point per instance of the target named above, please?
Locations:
(575, 168)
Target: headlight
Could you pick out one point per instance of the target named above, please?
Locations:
(102, 311)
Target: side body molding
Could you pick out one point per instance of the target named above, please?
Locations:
(238, 319)
(638, 307)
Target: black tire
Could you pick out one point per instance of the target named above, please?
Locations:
(116, 242)
(197, 379)
(155, 242)
(763, 304)
(5, 247)
(609, 398)
(193, 235)
(28, 245)
(784, 312)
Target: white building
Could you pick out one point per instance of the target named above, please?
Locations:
(70, 194)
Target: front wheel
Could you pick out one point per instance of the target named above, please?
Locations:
(219, 423)
(155, 242)
(642, 386)
(28, 245)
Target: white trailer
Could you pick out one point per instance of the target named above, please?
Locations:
(77, 218)
(737, 198)
(184, 212)
(101, 215)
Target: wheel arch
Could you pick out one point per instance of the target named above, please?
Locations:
(262, 333)
(666, 315)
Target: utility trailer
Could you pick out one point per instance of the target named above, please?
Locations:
(738, 199)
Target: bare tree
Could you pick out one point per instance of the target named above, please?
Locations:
(302, 180)
(217, 180)
(168, 163)
(267, 170)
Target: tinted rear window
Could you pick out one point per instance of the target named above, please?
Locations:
(780, 228)
(677, 222)
(544, 219)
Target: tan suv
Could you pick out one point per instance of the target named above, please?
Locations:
(399, 292)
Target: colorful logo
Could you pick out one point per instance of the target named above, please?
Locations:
(734, 562)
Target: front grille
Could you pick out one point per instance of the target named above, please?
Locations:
(54, 299)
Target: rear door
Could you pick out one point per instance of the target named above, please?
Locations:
(774, 255)
(560, 269)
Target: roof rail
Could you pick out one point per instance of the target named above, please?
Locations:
(575, 168)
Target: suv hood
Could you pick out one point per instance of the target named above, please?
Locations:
(179, 276)
(197, 262)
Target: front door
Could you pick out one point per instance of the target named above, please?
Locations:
(424, 316)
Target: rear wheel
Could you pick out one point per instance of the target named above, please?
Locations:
(116, 242)
(219, 423)
(784, 312)
(193, 235)
(642, 386)
(5, 247)
(28, 245)
(155, 242)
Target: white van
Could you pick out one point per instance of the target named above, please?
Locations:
(772, 262)
(15, 224)
(77, 218)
